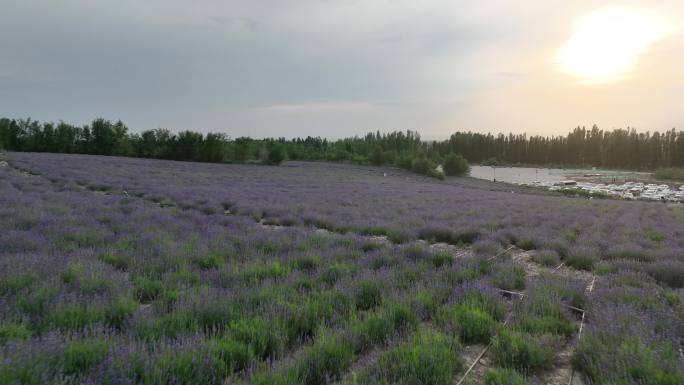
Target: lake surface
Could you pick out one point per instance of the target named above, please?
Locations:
(549, 176)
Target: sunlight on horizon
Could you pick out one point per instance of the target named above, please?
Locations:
(608, 41)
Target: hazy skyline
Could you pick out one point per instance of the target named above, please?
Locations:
(339, 68)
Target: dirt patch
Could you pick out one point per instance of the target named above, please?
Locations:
(524, 258)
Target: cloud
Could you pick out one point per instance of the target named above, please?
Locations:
(287, 68)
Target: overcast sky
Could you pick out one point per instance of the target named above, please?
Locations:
(332, 68)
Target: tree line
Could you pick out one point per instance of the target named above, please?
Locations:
(620, 148)
(104, 137)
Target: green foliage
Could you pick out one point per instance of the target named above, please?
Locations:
(209, 261)
(473, 324)
(510, 277)
(379, 327)
(333, 273)
(117, 313)
(456, 165)
(15, 284)
(370, 246)
(276, 153)
(547, 258)
(232, 354)
(303, 320)
(403, 149)
(74, 316)
(13, 331)
(490, 304)
(265, 271)
(501, 376)
(147, 290)
(368, 295)
(429, 358)
(442, 258)
(323, 362)
(306, 263)
(424, 304)
(581, 260)
(260, 335)
(523, 351)
(81, 356)
(86, 279)
(121, 262)
(629, 360)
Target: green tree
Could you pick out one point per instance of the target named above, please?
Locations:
(456, 165)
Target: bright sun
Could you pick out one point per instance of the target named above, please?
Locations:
(607, 41)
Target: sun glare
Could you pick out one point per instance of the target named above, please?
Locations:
(607, 42)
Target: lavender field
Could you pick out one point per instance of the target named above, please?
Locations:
(132, 271)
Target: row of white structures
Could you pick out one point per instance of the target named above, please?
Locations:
(628, 190)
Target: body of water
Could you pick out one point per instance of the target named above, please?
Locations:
(549, 176)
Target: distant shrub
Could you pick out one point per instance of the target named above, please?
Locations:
(429, 358)
(546, 257)
(504, 377)
(368, 295)
(522, 351)
(81, 356)
(456, 165)
(421, 165)
(276, 154)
